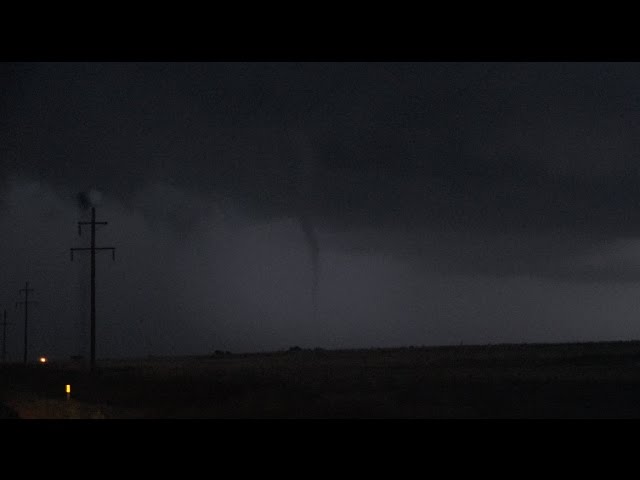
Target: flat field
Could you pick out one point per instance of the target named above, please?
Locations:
(589, 380)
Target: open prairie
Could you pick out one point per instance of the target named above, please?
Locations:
(591, 380)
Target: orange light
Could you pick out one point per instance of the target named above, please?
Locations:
(43, 360)
(67, 388)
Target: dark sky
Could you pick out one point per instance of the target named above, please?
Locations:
(429, 203)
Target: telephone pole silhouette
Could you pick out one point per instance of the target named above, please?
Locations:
(4, 335)
(93, 249)
(26, 303)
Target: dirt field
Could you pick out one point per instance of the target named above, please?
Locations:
(596, 380)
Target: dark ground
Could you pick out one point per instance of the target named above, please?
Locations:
(593, 380)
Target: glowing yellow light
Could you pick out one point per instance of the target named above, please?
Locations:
(67, 388)
(43, 360)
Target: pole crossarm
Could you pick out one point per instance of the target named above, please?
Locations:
(89, 223)
(30, 302)
(113, 251)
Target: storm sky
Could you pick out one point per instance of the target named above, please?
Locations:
(257, 206)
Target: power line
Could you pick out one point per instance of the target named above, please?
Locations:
(93, 249)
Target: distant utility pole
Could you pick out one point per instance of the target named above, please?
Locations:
(93, 249)
(26, 303)
(4, 335)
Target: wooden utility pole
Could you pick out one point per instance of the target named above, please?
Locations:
(4, 336)
(93, 249)
(26, 303)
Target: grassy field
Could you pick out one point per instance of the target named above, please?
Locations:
(592, 380)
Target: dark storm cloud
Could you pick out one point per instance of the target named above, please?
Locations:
(506, 146)
(564, 255)
(446, 175)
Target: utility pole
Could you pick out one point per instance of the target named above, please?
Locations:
(93, 249)
(4, 335)
(26, 303)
